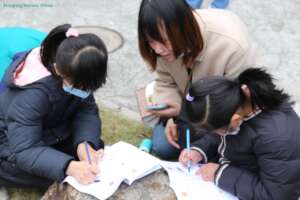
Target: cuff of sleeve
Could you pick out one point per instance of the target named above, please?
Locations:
(229, 178)
(202, 153)
(219, 173)
(99, 144)
(65, 169)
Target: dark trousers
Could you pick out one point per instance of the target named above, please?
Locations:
(12, 176)
(163, 149)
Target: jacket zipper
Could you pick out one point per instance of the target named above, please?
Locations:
(221, 150)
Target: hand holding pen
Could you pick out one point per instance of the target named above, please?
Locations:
(86, 146)
(86, 170)
(82, 171)
(93, 154)
(189, 156)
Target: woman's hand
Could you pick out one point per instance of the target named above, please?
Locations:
(95, 155)
(172, 133)
(82, 171)
(208, 171)
(194, 156)
(172, 110)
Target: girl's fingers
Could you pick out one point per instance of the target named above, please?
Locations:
(170, 138)
(174, 144)
(94, 169)
(100, 154)
(87, 178)
(174, 132)
(199, 172)
(183, 157)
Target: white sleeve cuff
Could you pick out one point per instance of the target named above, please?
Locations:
(219, 173)
(202, 153)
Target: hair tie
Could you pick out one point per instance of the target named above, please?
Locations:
(189, 98)
(72, 32)
(243, 86)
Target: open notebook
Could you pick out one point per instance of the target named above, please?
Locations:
(188, 186)
(121, 162)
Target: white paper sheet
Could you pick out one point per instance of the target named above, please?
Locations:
(188, 186)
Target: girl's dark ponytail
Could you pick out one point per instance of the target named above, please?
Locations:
(212, 101)
(264, 93)
(50, 45)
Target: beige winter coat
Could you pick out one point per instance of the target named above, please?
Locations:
(228, 50)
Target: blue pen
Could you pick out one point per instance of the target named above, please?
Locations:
(188, 146)
(89, 156)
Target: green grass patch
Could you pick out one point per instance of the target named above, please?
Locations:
(117, 127)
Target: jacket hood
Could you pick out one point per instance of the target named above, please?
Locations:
(30, 70)
(25, 70)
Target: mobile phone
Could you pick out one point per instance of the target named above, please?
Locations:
(157, 107)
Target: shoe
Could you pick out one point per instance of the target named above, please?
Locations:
(195, 4)
(3, 194)
(221, 4)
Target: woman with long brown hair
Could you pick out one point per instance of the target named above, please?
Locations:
(182, 45)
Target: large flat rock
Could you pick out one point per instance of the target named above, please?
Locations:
(152, 187)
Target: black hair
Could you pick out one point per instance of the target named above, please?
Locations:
(180, 24)
(216, 99)
(82, 60)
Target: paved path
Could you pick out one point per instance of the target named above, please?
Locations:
(275, 25)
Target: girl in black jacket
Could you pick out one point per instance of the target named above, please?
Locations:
(254, 133)
(48, 112)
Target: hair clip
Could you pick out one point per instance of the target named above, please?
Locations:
(189, 98)
(72, 32)
(244, 87)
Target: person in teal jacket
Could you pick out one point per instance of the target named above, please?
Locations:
(14, 40)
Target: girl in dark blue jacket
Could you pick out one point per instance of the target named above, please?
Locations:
(255, 134)
(48, 112)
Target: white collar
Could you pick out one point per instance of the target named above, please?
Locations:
(252, 114)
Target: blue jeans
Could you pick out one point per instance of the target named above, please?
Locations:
(196, 4)
(160, 145)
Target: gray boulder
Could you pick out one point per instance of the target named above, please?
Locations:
(152, 187)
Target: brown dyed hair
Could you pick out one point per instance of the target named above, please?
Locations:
(182, 29)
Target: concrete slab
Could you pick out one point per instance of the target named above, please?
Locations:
(112, 39)
(275, 25)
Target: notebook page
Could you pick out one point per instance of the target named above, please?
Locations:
(135, 163)
(121, 162)
(188, 186)
(110, 177)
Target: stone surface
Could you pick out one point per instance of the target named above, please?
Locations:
(274, 24)
(152, 187)
(112, 39)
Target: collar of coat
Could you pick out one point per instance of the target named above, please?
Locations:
(250, 116)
